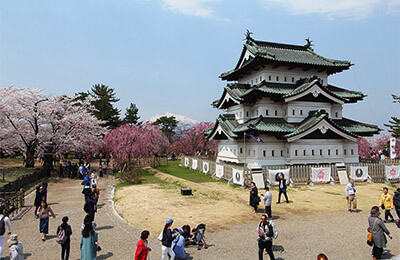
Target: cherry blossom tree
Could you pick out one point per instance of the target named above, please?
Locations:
(32, 123)
(363, 148)
(131, 141)
(191, 141)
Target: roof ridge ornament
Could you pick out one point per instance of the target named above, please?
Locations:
(248, 35)
(309, 44)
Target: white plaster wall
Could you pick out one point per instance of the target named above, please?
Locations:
(302, 109)
(336, 111)
(278, 75)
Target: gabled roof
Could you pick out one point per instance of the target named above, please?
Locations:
(279, 127)
(284, 92)
(272, 53)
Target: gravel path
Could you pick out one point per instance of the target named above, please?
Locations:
(340, 235)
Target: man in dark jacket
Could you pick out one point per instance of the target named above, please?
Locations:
(282, 188)
(396, 202)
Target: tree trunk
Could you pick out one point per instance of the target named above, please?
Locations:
(30, 157)
(48, 160)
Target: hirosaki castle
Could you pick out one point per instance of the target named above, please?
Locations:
(281, 110)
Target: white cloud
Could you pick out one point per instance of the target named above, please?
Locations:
(353, 9)
(200, 8)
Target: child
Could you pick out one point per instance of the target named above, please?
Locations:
(16, 249)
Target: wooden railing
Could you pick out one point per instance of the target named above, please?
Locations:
(12, 202)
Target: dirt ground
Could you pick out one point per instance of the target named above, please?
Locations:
(219, 205)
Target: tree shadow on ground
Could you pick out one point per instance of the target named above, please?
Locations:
(105, 256)
(104, 227)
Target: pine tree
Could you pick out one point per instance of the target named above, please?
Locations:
(394, 123)
(167, 125)
(104, 97)
(131, 115)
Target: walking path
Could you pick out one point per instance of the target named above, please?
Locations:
(340, 235)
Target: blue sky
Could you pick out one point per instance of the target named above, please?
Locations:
(166, 55)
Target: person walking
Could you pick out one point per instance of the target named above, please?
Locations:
(5, 229)
(396, 203)
(15, 247)
(94, 178)
(254, 199)
(282, 188)
(44, 186)
(105, 166)
(44, 212)
(167, 237)
(351, 196)
(142, 247)
(39, 196)
(267, 197)
(88, 244)
(386, 203)
(378, 229)
(266, 233)
(101, 169)
(64, 232)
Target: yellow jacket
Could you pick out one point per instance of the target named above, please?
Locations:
(387, 201)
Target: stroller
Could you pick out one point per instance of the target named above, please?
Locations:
(199, 237)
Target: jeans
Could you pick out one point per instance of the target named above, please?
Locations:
(65, 249)
(268, 247)
(284, 193)
(167, 250)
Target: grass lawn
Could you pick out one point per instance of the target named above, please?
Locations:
(174, 169)
(12, 168)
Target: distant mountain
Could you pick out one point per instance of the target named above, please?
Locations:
(183, 120)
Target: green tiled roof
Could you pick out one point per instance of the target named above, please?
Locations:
(241, 92)
(280, 127)
(283, 54)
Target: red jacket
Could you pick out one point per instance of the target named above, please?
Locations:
(141, 251)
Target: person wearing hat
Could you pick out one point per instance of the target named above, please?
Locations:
(15, 248)
(167, 237)
(396, 202)
(386, 203)
(378, 229)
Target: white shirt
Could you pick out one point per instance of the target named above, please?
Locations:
(7, 224)
(350, 189)
(267, 198)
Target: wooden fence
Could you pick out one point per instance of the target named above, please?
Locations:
(12, 202)
(298, 173)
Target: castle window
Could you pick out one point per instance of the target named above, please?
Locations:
(269, 78)
(336, 114)
(294, 112)
(287, 151)
(304, 152)
(276, 112)
(277, 78)
(241, 150)
(254, 152)
(337, 152)
(295, 152)
(260, 79)
(284, 79)
(264, 153)
(273, 153)
(234, 151)
(301, 112)
(292, 79)
(329, 152)
(320, 152)
(256, 80)
(344, 152)
(281, 153)
(247, 113)
(266, 112)
(352, 151)
(312, 152)
(251, 82)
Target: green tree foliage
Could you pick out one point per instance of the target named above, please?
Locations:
(167, 125)
(394, 123)
(131, 115)
(103, 99)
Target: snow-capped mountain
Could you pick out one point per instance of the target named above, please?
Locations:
(183, 120)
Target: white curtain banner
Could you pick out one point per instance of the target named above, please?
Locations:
(321, 174)
(392, 172)
(206, 167)
(274, 174)
(359, 173)
(219, 170)
(186, 162)
(258, 179)
(392, 148)
(194, 164)
(238, 177)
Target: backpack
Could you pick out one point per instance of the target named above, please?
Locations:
(86, 207)
(270, 232)
(61, 236)
(2, 226)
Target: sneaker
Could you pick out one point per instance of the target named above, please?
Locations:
(278, 202)
(350, 210)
